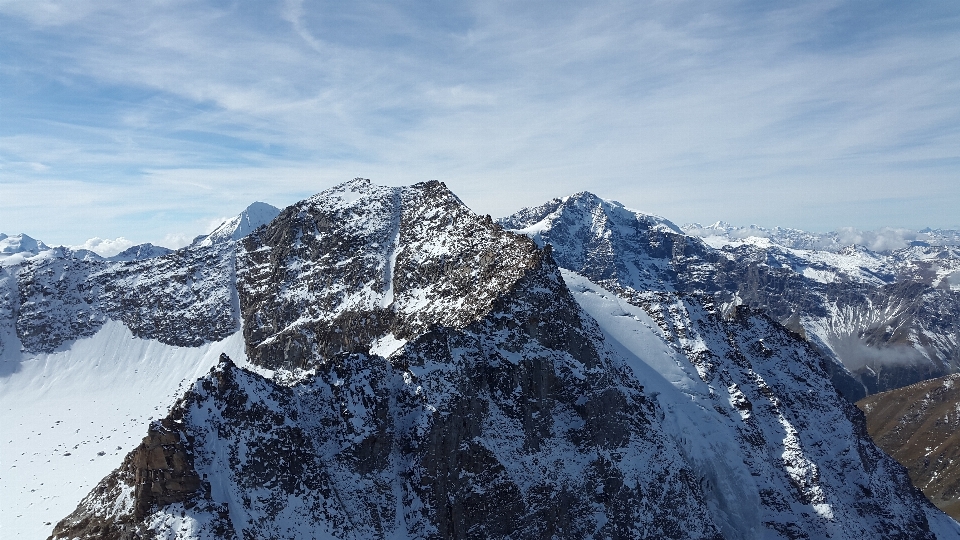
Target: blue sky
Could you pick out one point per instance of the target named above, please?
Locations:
(154, 120)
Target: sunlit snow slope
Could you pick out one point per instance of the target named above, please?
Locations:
(729, 418)
(886, 318)
(69, 417)
(77, 386)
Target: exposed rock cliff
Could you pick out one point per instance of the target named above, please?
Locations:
(427, 374)
(890, 319)
(184, 297)
(363, 266)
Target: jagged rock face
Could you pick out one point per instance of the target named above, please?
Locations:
(806, 448)
(361, 263)
(919, 425)
(609, 243)
(52, 306)
(519, 425)
(854, 305)
(159, 473)
(140, 252)
(9, 306)
(439, 377)
(185, 298)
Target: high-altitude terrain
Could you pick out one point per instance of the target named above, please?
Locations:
(890, 319)
(397, 366)
(919, 425)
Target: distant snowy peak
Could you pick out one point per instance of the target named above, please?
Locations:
(81, 254)
(20, 243)
(531, 220)
(939, 237)
(244, 223)
(606, 241)
(141, 252)
(14, 249)
(874, 258)
(722, 234)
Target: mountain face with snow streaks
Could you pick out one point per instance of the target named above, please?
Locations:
(517, 423)
(365, 266)
(184, 298)
(771, 393)
(418, 371)
(889, 318)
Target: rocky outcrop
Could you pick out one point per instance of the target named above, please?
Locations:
(185, 298)
(361, 263)
(158, 474)
(141, 252)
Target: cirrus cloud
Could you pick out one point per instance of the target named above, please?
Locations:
(819, 115)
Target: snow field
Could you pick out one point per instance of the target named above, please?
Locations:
(68, 418)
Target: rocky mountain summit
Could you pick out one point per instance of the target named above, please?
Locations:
(365, 266)
(141, 252)
(418, 371)
(885, 319)
(235, 228)
(20, 244)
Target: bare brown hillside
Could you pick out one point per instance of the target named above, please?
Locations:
(918, 426)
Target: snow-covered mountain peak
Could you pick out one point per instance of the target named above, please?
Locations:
(351, 191)
(828, 287)
(360, 265)
(604, 239)
(456, 383)
(242, 224)
(20, 243)
(586, 208)
(17, 248)
(722, 233)
(885, 239)
(140, 252)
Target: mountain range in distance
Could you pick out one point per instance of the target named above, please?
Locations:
(379, 362)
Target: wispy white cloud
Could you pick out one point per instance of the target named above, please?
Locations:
(814, 115)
